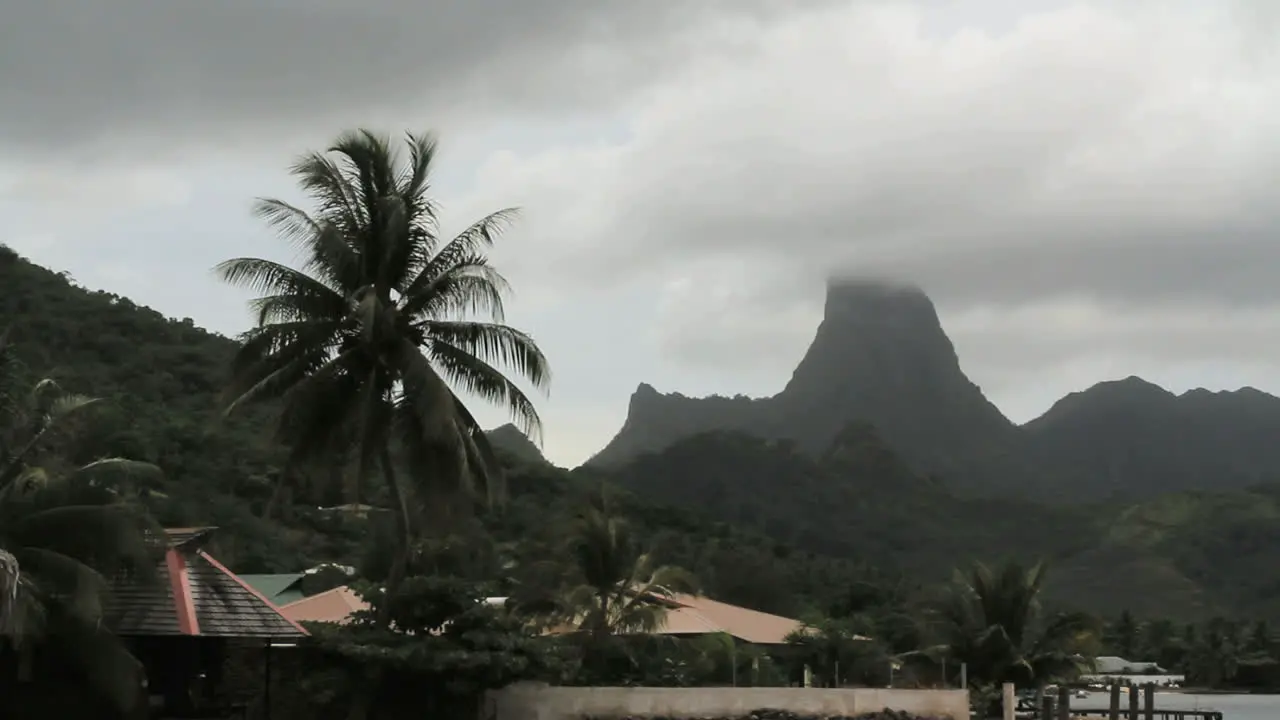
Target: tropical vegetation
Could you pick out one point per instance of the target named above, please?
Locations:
(363, 359)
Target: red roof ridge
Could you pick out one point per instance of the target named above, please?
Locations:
(180, 583)
(223, 569)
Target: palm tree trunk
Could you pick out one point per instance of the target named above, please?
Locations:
(10, 577)
(404, 539)
(14, 463)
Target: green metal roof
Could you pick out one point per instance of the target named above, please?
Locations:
(279, 588)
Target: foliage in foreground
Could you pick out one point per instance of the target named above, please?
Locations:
(64, 531)
(446, 646)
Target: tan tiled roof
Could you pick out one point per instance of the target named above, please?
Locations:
(335, 606)
(698, 615)
(194, 595)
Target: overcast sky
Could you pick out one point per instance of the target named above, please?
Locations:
(1085, 189)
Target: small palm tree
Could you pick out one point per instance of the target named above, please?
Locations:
(993, 621)
(621, 588)
(371, 341)
(61, 537)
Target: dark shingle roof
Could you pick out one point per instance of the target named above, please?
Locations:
(227, 607)
(221, 603)
(137, 608)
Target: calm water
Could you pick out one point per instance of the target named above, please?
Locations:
(1233, 707)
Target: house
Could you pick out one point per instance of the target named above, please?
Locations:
(202, 634)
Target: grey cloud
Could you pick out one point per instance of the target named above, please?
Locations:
(154, 70)
(1120, 151)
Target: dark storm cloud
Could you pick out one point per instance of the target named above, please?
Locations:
(83, 71)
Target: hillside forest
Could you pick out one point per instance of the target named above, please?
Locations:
(353, 390)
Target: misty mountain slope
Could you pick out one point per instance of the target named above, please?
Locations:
(879, 356)
(858, 499)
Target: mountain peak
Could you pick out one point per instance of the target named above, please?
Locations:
(881, 355)
(511, 439)
(859, 294)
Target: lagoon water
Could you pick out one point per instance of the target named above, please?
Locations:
(1233, 707)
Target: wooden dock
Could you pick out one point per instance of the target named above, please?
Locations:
(1141, 706)
(1153, 713)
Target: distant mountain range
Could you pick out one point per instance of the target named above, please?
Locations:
(880, 356)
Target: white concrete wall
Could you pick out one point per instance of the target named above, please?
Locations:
(541, 702)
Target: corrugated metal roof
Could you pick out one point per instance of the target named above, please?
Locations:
(280, 588)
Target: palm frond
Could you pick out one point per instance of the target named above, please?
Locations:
(275, 358)
(496, 345)
(333, 191)
(472, 287)
(475, 377)
(118, 474)
(108, 538)
(111, 673)
(413, 184)
(490, 481)
(465, 249)
(268, 277)
(79, 589)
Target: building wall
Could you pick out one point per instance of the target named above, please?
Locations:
(540, 702)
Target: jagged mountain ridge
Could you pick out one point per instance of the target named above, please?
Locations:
(881, 356)
(910, 362)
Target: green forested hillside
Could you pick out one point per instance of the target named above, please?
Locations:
(760, 522)
(1180, 555)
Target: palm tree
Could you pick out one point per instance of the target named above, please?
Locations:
(61, 537)
(993, 621)
(369, 342)
(621, 588)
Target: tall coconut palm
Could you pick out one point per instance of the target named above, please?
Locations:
(992, 620)
(374, 338)
(621, 587)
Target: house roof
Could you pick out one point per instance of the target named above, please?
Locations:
(280, 588)
(194, 595)
(698, 615)
(335, 606)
